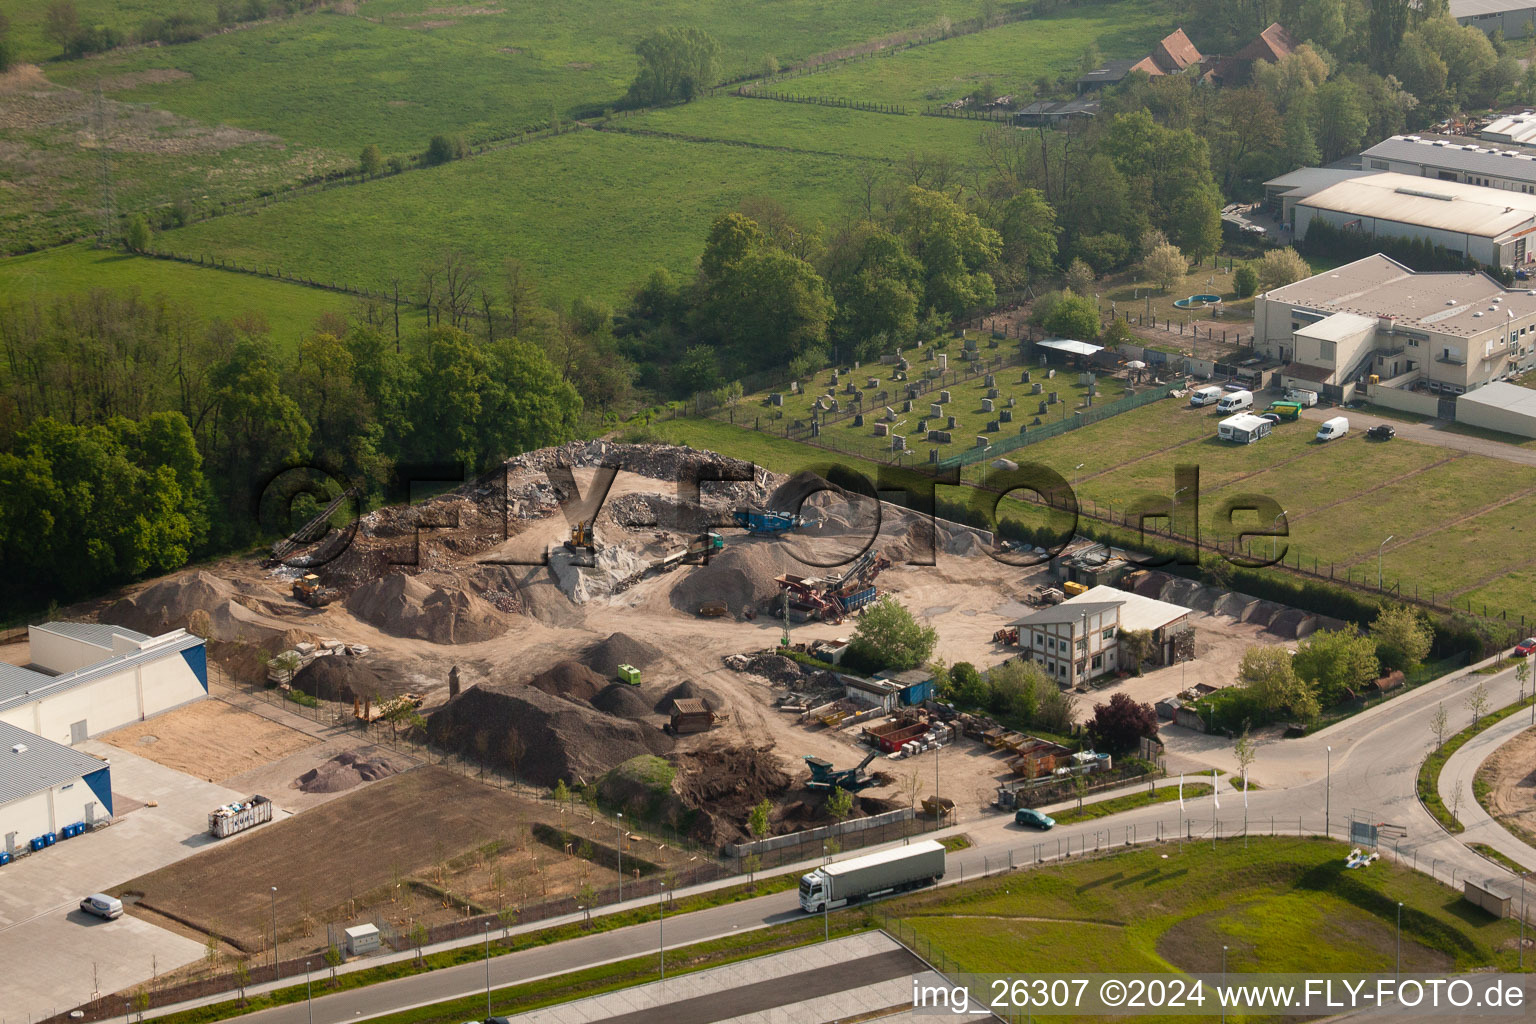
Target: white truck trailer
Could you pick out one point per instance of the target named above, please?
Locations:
(905, 867)
(237, 817)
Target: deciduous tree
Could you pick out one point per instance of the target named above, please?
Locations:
(889, 635)
(1121, 724)
(676, 65)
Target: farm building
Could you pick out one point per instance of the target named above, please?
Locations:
(1078, 639)
(86, 679)
(1508, 408)
(1509, 16)
(46, 786)
(1492, 226)
(1271, 46)
(1436, 332)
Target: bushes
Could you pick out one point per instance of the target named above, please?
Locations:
(443, 148)
(1244, 281)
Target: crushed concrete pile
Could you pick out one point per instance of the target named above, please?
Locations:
(543, 738)
(569, 679)
(342, 677)
(170, 603)
(741, 576)
(721, 785)
(345, 770)
(242, 660)
(583, 583)
(607, 655)
(689, 690)
(790, 494)
(661, 461)
(622, 700)
(775, 668)
(405, 606)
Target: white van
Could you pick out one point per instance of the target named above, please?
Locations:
(1236, 401)
(102, 905)
(1306, 398)
(1205, 396)
(1336, 427)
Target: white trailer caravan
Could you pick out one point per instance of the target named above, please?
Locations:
(1243, 428)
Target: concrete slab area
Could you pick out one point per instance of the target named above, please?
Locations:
(853, 977)
(49, 947)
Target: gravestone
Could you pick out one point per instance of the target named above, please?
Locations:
(1036, 388)
(858, 420)
(1042, 408)
(989, 381)
(970, 344)
(982, 442)
(1052, 398)
(933, 455)
(940, 436)
(1036, 423)
(1050, 374)
(935, 410)
(922, 426)
(906, 406)
(943, 361)
(992, 426)
(1024, 377)
(890, 415)
(986, 405)
(1006, 416)
(881, 430)
(794, 387)
(991, 392)
(777, 398)
(851, 389)
(815, 428)
(944, 396)
(901, 374)
(950, 420)
(871, 382)
(898, 443)
(1012, 401)
(833, 406)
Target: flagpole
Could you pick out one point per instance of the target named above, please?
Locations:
(1215, 804)
(1181, 808)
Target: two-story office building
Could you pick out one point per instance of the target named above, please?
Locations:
(1078, 639)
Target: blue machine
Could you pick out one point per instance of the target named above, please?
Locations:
(766, 521)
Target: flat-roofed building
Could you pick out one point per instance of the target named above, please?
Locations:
(1512, 17)
(1468, 161)
(1507, 408)
(1449, 332)
(1491, 226)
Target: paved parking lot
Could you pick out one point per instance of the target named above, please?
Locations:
(55, 956)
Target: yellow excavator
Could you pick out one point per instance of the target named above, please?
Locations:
(581, 537)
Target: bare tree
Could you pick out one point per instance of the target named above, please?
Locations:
(1438, 723)
(520, 292)
(1245, 751)
(1477, 703)
(459, 279)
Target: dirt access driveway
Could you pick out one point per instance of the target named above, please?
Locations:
(1428, 433)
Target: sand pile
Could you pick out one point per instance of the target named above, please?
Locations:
(569, 679)
(345, 678)
(605, 657)
(789, 495)
(742, 576)
(722, 785)
(405, 606)
(241, 659)
(622, 700)
(345, 770)
(543, 738)
(685, 690)
(167, 604)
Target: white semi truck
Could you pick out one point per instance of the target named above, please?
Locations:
(905, 867)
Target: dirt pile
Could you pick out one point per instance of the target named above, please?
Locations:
(569, 679)
(342, 677)
(405, 606)
(721, 785)
(242, 660)
(742, 576)
(661, 461)
(345, 770)
(169, 603)
(543, 738)
(685, 690)
(789, 495)
(622, 700)
(605, 657)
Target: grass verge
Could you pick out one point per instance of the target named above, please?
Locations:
(1104, 808)
(1498, 857)
(1429, 771)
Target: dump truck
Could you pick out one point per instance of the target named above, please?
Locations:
(862, 878)
(307, 589)
(237, 817)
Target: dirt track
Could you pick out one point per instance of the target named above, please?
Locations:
(1511, 783)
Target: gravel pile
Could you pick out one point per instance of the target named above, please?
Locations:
(622, 700)
(405, 606)
(606, 656)
(344, 771)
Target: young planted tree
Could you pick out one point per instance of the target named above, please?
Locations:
(839, 803)
(1136, 646)
(758, 820)
(1245, 751)
(333, 959)
(1477, 703)
(752, 863)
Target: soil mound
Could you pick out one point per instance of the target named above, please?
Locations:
(342, 677)
(169, 603)
(242, 660)
(569, 679)
(622, 700)
(685, 690)
(605, 657)
(742, 576)
(544, 738)
(789, 495)
(344, 771)
(722, 785)
(405, 606)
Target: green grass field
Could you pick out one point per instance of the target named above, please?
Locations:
(289, 309)
(1010, 56)
(397, 71)
(1280, 905)
(591, 212)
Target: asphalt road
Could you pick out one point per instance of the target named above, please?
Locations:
(1369, 774)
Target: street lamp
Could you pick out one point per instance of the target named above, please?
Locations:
(1273, 537)
(1328, 794)
(274, 933)
(1223, 982)
(309, 995)
(1522, 920)
(661, 946)
(1173, 507)
(619, 828)
(938, 809)
(487, 970)
(1378, 561)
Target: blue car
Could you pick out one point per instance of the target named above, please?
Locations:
(1034, 819)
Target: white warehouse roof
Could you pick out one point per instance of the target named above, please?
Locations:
(1304, 181)
(41, 763)
(1423, 202)
(1473, 8)
(1337, 327)
(98, 634)
(1501, 395)
(1466, 156)
(21, 685)
(1136, 611)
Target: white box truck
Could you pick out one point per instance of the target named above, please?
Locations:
(1204, 396)
(1336, 427)
(844, 882)
(1305, 397)
(1235, 402)
(237, 817)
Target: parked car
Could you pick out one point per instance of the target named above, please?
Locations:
(102, 905)
(1381, 432)
(1525, 647)
(1273, 417)
(1033, 818)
